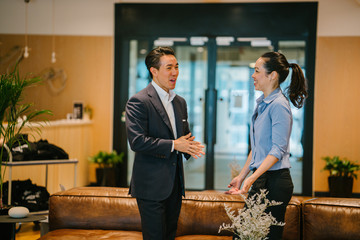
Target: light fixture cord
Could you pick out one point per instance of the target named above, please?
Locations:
(26, 23)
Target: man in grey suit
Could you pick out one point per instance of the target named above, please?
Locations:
(159, 134)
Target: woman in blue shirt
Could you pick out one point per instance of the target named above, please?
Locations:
(270, 132)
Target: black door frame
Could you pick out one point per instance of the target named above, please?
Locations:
(296, 20)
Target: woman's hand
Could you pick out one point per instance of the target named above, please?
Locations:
(247, 184)
(234, 185)
(233, 191)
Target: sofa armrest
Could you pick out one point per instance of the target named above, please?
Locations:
(293, 219)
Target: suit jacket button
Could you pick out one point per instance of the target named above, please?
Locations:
(174, 164)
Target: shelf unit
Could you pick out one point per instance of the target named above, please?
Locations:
(38, 162)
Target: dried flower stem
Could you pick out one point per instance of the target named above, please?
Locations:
(252, 222)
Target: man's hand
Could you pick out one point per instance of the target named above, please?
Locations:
(186, 144)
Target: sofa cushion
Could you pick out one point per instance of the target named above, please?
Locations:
(204, 237)
(203, 212)
(331, 218)
(94, 208)
(83, 234)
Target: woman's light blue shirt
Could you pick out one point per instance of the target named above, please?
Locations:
(270, 130)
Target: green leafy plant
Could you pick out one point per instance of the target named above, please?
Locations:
(341, 167)
(14, 115)
(107, 159)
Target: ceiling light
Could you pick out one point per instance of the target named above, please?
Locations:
(252, 65)
(249, 39)
(260, 43)
(163, 43)
(224, 41)
(198, 41)
(172, 39)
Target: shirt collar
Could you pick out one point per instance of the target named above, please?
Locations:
(164, 96)
(273, 95)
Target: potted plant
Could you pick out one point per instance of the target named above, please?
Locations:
(342, 174)
(106, 171)
(14, 116)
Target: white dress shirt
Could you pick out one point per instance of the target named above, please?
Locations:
(166, 99)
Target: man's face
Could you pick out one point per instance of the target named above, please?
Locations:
(167, 74)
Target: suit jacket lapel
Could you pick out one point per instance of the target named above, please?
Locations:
(155, 100)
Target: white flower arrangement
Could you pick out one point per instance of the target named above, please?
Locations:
(252, 222)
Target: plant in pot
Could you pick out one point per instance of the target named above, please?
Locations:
(106, 170)
(14, 116)
(342, 174)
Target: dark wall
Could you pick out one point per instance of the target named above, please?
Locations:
(285, 20)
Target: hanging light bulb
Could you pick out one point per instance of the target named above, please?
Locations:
(26, 52)
(26, 49)
(53, 55)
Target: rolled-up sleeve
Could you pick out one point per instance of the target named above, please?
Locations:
(281, 129)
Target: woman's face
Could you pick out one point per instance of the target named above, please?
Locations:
(262, 80)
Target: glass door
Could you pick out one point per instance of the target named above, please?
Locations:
(191, 83)
(235, 104)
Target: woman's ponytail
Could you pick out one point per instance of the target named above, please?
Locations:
(297, 90)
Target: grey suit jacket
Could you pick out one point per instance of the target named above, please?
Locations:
(150, 136)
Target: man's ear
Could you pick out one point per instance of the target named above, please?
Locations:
(154, 71)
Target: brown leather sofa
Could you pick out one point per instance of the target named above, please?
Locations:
(331, 218)
(110, 213)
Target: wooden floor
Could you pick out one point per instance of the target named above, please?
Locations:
(28, 231)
